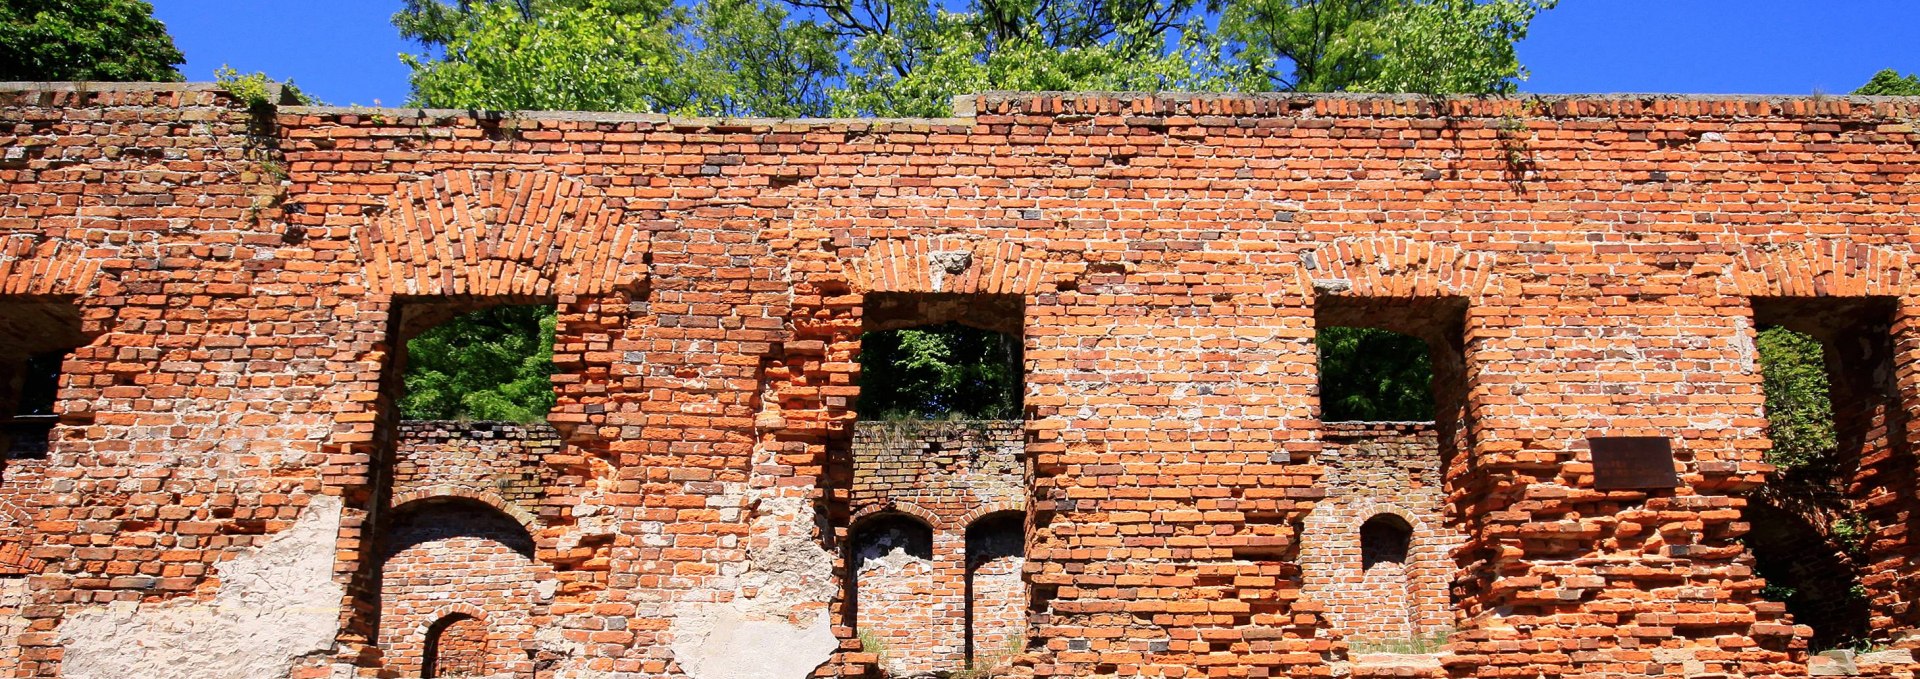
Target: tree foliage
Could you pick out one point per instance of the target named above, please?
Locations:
(114, 40)
(910, 57)
(1424, 46)
(1372, 375)
(942, 371)
(719, 57)
(1890, 83)
(492, 364)
(593, 55)
(1799, 405)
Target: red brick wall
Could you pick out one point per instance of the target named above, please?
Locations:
(459, 558)
(460, 648)
(903, 606)
(1169, 252)
(502, 461)
(948, 475)
(218, 377)
(996, 590)
(1376, 469)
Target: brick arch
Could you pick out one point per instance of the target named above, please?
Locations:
(1330, 556)
(33, 264)
(491, 233)
(921, 514)
(445, 557)
(1396, 266)
(989, 509)
(950, 264)
(443, 492)
(449, 610)
(1822, 268)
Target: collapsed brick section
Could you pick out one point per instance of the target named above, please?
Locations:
(237, 274)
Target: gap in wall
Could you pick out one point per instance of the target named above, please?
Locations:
(1378, 551)
(937, 453)
(455, 583)
(1841, 464)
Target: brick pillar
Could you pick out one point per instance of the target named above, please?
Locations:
(1885, 488)
(1171, 425)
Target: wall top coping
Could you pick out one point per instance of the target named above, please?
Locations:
(275, 91)
(1168, 104)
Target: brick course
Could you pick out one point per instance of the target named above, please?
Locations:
(239, 276)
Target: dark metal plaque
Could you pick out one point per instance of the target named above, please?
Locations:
(1632, 462)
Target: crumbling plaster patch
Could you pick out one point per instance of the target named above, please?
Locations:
(273, 606)
(783, 630)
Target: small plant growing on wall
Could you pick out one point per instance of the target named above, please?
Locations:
(871, 643)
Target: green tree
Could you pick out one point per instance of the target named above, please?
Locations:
(948, 370)
(719, 57)
(1372, 375)
(1890, 83)
(492, 364)
(755, 59)
(591, 55)
(911, 58)
(1425, 46)
(115, 40)
(1799, 405)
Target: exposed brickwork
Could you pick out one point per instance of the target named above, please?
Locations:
(947, 472)
(239, 279)
(458, 647)
(927, 611)
(1381, 470)
(501, 463)
(468, 562)
(996, 592)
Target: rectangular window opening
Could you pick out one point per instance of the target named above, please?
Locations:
(1835, 421)
(36, 339)
(1392, 395)
(939, 441)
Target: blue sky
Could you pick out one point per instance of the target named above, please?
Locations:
(345, 51)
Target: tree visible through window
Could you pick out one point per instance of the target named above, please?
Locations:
(1372, 375)
(942, 371)
(492, 364)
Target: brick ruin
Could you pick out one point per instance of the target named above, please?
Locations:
(222, 486)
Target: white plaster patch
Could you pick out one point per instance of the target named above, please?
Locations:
(784, 630)
(274, 606)
(14, 597)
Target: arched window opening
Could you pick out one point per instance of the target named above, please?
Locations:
(456, 646)
(1385, 538)
(894, 604)
(994, 536)
(886, 535)
(443, 552)
(996, 590)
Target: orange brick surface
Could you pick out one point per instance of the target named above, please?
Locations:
(242, 274)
